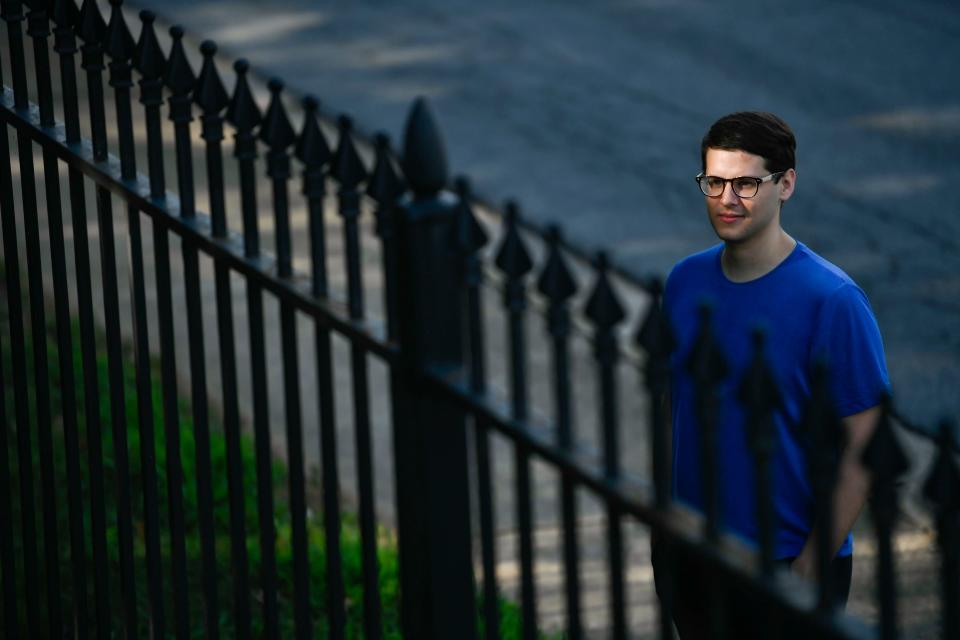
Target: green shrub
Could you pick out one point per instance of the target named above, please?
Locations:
(349, 532)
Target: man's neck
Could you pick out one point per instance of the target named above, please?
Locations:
(749, 261)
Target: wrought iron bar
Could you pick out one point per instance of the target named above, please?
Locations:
(211, 97)
(245, 116)
(231, 425)
(151, 63)
(349, 173)
(760, 396)
(558, 285)
(885, 459)
(180, 80)
(385, 187)
(514, 261)
(313, 151)
(108, 261)
(823, 425)
(182, 83)
(278, 134)
(656, 338)
(471, 238)
(605, 312)
(708, 368)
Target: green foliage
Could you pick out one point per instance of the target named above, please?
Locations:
(350, 534)
(113, 458)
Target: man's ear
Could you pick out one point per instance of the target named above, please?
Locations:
(787, 183)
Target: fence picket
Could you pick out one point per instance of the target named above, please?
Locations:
(314, 153)
(822, 424)
(277, 133)
(349, 172)
(886, 461)
(605, 311)
(244, 114)
(470, 239)
(515, 263)
(557, 283)
(656, 338)
(211, 96)
(708, 367)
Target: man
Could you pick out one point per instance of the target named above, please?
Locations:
(759, 276)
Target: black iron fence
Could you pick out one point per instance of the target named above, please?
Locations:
(76, 573)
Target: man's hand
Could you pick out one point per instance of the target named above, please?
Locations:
(804, 565)
(850, 494)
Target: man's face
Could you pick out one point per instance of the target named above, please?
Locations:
(739, 220)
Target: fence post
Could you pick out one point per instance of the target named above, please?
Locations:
(436, 574)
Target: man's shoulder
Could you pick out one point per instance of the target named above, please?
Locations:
(820, 276)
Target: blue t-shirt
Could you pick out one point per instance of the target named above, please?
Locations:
(809, 308)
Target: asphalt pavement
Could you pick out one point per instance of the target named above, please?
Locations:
(590, 115)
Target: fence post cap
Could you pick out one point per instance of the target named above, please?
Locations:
(277, 132)
(347, 167)
(208, 91)
(148, 57)
(556, 282)
(243, 111)
(120, 44)
(180, 77)
(312, 148)
(424, 154)
(513, 259)
(386, 184)
(91, 26)
(603, 306)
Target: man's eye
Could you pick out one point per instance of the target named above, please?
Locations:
(745, 184)
(715, 183)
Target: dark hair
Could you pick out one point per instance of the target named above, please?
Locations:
(756, 132)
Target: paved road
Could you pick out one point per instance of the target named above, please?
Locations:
(591, 114)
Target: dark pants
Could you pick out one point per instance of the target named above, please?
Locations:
(741, 613)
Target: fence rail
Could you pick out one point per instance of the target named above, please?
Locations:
(82, 573)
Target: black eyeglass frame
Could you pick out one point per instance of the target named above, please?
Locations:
(767, 178)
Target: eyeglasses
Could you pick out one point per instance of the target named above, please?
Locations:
(744, 186)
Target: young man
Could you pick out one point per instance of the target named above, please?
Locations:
(759, 276)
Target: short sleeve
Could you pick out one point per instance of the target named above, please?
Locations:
(848, 336)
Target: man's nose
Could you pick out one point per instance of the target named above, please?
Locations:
(727, 196)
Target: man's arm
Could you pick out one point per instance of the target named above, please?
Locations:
(850, 494)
